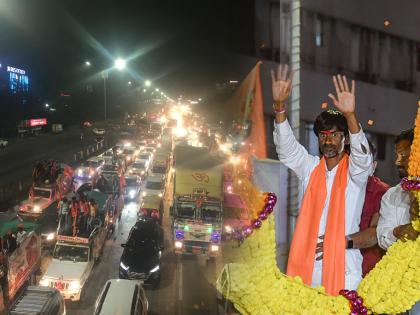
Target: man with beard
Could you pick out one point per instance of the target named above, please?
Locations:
(334, 187)
(398, 207)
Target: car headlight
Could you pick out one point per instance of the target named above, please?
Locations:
(44, 282)
(130, 171)
(228, 229)
(74, 286)
(156, 268)
(160, 195)
(214, 248)
(37, 208)
(79, 172)
(50, 236)
(124, 266)
(128, 158)
(144, 193)
(92, 173)
(178, 244)
(132, 193)
(142, 173)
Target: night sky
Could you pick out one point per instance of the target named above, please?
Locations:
(177, 44)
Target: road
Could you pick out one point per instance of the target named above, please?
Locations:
(18, 158)
(185, 287)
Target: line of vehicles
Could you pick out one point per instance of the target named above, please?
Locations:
(137, 168)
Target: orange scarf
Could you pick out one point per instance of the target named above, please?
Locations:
(302, 251)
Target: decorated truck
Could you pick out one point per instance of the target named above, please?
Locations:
(74, 255)
(19, 266)
(51, 181)
(197, 205)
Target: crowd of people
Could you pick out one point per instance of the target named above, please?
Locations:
(78, 216)
(348, 217)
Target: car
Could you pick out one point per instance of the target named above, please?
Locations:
(98, 131)
(129, 154)
(132, 186)
(149, 148)
(3, 142)
(87, 170)
(41, 199)
(155, 186)
(141, 257)
(151, 206)
(120, 296)
(139, 168)
(145, 157)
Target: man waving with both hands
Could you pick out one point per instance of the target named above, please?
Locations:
(334, 186)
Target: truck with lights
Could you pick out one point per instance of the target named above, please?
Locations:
(74, 256)
(197, 203)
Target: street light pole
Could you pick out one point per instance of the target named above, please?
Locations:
(105, 76)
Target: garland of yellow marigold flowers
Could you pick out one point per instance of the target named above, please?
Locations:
(256, 286)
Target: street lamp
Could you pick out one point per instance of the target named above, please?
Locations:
(147, 83)
(47, 105)
(120, 64)
(157, 90)
(87, 63)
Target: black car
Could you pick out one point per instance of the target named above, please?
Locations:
(141, 258)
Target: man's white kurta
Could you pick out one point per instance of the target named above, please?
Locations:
(395, 211)
(297, 158)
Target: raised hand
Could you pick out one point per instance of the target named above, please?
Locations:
(345, 99)
(282, 84)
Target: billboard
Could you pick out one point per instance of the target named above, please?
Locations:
(14, 79)
(37, 122)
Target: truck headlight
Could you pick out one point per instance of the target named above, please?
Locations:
(214, 248)
(50, 236)
(74, 286)
(156, 268)
(44, 282)
(37, 208)
(124, 266)
(178, 244)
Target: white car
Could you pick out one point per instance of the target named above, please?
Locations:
(145, 157)
(3, 142)
(41, 199)
(139, 168)
(155, 186)
(120, 296)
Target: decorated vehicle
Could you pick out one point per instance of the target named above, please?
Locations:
(51, 181)
(73, 260)
(197, 207)
(19, 266)
(151, 206)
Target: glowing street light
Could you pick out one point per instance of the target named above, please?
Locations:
(129, 82)
(47, 105)
(147, 83)
(157, 90)
(87, 63)
(120, 64)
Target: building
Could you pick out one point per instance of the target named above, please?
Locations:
(375, 42)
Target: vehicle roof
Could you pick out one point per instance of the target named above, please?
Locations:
(155, 178)
(33, 301)
(119, 297)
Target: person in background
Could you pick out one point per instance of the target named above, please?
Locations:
(20, 235)
(397, 206)
(366, 239)
(74, 212)
(85, 209)
(10, 242)
(63, 212)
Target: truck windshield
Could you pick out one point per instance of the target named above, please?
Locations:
(210, 213)
(72, 253)
(186, 210)
(42, 193)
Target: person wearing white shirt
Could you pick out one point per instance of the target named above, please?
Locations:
(336, 131)
(395, 215)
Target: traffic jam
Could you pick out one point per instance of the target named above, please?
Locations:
(169, 166)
